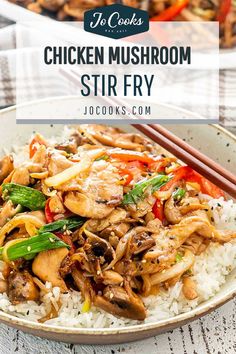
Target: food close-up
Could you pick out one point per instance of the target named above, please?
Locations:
(117, 176)
(102, 222)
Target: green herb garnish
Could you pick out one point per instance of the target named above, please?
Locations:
(138, 192)
(103, 157)
(178, 257)
(178, 194)
(60, 225)
(25, 196)
(29, 247)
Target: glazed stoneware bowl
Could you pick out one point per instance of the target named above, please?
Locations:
(210, 139)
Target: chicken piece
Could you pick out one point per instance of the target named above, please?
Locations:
(120, 302)
(173, 237)
(21, 176)
(21, 287)
(34, 7)
(39, 214)
(189, 288)
(56, 205)
(46, 266)
(40, 156)
(52, 5)
(58, 163)
(100, 192)
(3, 286)
(111, 136)
(7, 212)
(6, 167)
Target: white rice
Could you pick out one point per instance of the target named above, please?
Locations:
(209, 272)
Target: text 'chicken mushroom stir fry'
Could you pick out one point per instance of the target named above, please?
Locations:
(103, 213)
(223, 11)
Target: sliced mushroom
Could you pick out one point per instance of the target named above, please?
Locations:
(46, 266)
(115, 217)
(111, 136)
(21, 287)
(142, 207)
(117, 301)
(6, 167)
(112, 278)
(140, 242)
(175, 271)
(173, 237)
(83, 284)
(98, 250)
(117, 230)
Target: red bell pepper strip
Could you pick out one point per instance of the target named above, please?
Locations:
(124, 155)
(171, 12)
(159, 165)
(127, 174)
(206, 186)
(224, 9)
(67, 239)
(158, 210)
(49, 215)
(35, 143)
(189, 175)
(180, 173)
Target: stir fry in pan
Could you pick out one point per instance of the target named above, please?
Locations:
(223, 11)
(105, 213)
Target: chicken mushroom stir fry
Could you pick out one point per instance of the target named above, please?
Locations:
(105, 213)
(223, 11)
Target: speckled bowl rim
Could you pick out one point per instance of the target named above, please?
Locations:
(161, 325)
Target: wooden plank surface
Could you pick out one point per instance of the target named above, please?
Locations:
(212, 334)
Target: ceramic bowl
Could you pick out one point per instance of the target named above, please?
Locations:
(213, 140)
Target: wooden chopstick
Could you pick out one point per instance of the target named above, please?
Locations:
(194, 152)
(200, 163)
(190, 160)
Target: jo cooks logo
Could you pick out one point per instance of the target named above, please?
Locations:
(116, 21)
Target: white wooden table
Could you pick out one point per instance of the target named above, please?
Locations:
(212, 334)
